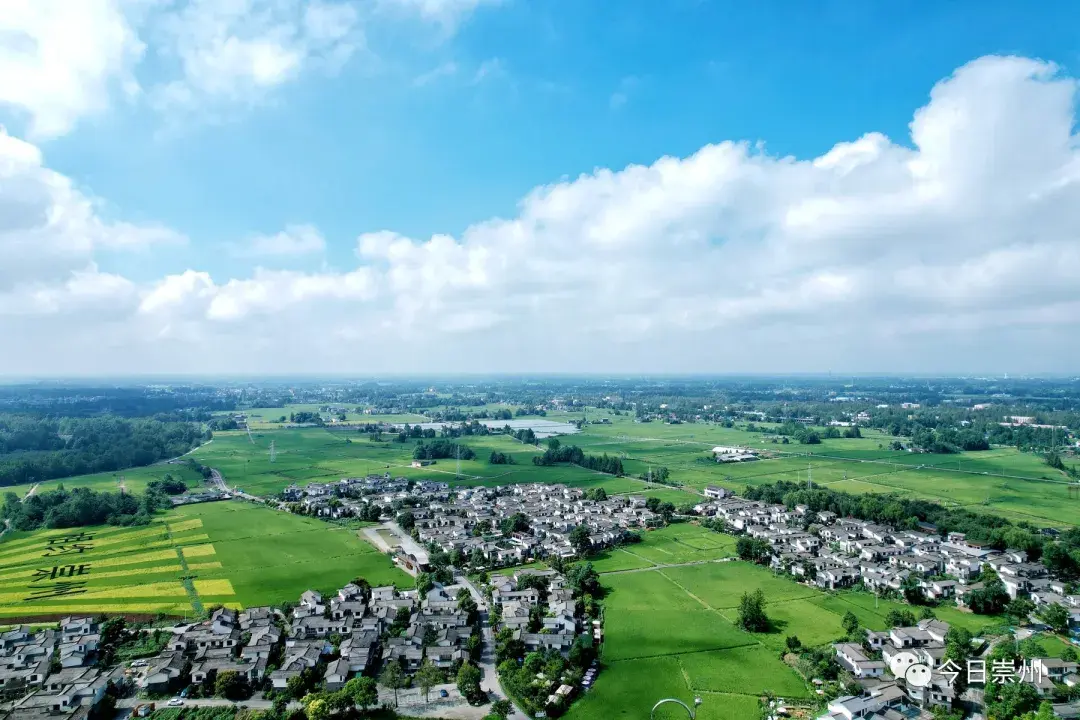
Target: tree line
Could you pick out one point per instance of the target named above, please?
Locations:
(441, 449)
(556, 453)
(34, 449)
(79, 507)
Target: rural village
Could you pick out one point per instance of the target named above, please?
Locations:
(322, 642)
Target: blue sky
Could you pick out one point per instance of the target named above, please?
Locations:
(435, 116)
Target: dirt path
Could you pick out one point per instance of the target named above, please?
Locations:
(31, 491)
(661, 566)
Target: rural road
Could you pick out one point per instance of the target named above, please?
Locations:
(125, 705)
(217, 479)
(489, 682)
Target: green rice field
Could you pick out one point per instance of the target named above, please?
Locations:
(1000, 481)
(670, 632)
(229, 553)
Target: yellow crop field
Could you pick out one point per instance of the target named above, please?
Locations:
(198, 551)
(214, 587)
(110, 570)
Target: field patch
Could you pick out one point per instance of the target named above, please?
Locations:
(646, 616)
(268, 557)
(721, 585)
(105, 569)
(747, 670)
(628, 689)
(683, 543)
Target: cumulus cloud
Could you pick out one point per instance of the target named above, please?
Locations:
(61, 60)
(49, 229)
(956, 250)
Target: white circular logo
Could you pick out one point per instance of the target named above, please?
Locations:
(918, 675)
(900, 662)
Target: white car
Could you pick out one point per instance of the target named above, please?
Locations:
(175, 702)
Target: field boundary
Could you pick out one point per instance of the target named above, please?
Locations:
(186, 578)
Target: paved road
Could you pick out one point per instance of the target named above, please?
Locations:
(217, 479)
(127, 704)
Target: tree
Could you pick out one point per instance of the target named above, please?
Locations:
(752, 615)
(296, 686)
(851, 624)
(231, 685)
(1010, 700)
(363, 691)
(1068, 655)
(899, 618)
(753, 550)
(1045, 712)
(584, 579)
(317, 709)
(502, 708)
(1056, 616)
(515, 523)
(912, 589)
(394, 678)
(468, 681)
(1019, 609)
(579, 539)
(427, 677)
(793, 643)
(424, 583)
(401, 621)
(958, 649)
(988, 600)
(406, 520)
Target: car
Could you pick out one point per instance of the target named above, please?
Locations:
(443, 694)
(176, 702)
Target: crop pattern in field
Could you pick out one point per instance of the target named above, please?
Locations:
(138, 570)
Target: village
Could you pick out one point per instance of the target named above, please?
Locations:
(489, 526)
(467, 612)
(315, 645)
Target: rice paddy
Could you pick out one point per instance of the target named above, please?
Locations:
(234, 554)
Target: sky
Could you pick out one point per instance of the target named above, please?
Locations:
(529, 186)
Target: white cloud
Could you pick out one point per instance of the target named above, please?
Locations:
(60, 60)
(293, 241)
(237, 50)
(48, 228)
(958, 252)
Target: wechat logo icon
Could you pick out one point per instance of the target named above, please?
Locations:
(905, 665)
